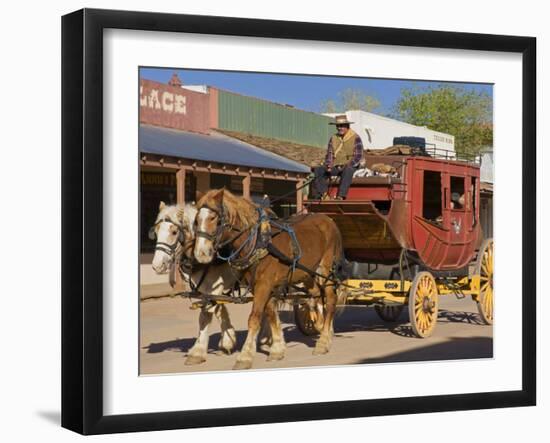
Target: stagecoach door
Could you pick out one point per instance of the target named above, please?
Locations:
(457, 201)
(445, 225)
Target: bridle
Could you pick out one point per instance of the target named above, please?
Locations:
(221, 225)
(251, 241)
(167, 248)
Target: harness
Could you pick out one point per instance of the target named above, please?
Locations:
(259, 236)
(220, 227)
(185, 264)
(258, 245)
(168, 248)
(185, 269)
(296, 250)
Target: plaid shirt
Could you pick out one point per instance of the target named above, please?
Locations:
(357, 153)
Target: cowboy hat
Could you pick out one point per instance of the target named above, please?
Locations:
(341, 120)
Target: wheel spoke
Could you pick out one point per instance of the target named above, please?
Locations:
(484, 269)
(423, 304)
(421, 323)
(429, 321)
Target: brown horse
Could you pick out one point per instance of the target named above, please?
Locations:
(226, 219)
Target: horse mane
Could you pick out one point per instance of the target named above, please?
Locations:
(178, 213)
(240, 212)
(170, 211)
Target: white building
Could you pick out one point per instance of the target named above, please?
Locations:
(487, 167)
(378, 132)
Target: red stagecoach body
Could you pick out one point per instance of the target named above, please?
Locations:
(430, 207)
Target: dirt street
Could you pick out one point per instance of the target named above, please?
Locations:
(169, 329)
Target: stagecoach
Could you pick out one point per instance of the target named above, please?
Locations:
(408, 232)
(410, 235)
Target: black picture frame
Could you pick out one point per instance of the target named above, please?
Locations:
(82, 215)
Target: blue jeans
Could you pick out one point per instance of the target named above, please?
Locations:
(322, 177)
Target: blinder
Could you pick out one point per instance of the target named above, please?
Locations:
(165, 247)
(221, 225)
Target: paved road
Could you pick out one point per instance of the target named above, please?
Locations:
(169, 328)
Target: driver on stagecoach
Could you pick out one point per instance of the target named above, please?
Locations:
(344, 152)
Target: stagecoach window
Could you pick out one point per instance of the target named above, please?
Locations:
(457, 193)
(431, 205)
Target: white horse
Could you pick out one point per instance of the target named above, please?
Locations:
(175, 233)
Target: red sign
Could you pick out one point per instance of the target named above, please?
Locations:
(173, 107)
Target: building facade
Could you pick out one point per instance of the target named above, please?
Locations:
(182, 157)
(378, 132)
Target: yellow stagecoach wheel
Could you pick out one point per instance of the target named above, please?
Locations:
(309, 320)
(389, 313)
(484, 268)
(423, 304)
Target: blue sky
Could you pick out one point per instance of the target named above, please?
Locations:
(302, 91)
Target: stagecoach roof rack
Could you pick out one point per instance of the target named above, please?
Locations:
(427, 151)
(445, 154)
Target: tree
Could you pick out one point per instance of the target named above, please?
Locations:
(466, 114)
(350, 100)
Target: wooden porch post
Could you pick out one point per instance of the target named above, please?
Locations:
(299, 196)
(180, 199)
(246, 187)
(180, 186)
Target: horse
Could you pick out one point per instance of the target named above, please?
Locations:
(174, 231)
(224, 218)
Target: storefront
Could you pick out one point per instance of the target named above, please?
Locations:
(179, 167)
(181, 157)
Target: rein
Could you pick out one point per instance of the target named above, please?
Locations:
(255, 240)
(258, 245)
(221, 225)
(186, 268)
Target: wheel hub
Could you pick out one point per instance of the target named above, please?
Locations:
(427, 305)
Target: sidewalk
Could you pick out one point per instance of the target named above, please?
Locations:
(151, 284)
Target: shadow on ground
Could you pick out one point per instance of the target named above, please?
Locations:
(184, 344)
(455, 348)
(358, 318)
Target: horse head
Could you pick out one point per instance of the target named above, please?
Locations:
(209, 224)
(174, 233)
(219, 213)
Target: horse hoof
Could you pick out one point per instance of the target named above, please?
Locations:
(274, 356)
(194, 360)
(266, 341)
(242, 364)
(226, 348)
(228, 341)
(320, 350)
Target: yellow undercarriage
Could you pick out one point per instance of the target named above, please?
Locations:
(366, 292)
(360, 291)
